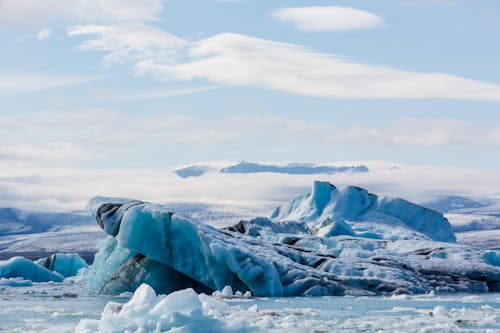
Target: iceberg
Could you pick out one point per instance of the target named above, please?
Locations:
(66, 264)
(20, 267)
(180, 311)
(332, 241)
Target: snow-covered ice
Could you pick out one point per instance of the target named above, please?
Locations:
(186, 311)
(328, 242)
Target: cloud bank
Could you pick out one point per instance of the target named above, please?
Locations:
(69, 189)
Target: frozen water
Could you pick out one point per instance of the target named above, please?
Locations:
(61, 307)
(66, 264)
(329, 242)
(368, 214)
(28, 270)
(186, 311)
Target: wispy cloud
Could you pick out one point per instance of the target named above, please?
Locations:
(239, 60)
(23, 83)
(328, 18)
(45, 12)
(165, 93)
(131, 42)
(44, 34)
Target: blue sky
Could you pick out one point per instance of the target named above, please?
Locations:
(137, 84)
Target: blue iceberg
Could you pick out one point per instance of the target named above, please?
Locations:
(328, 242)
(66, 264)
(20, 267)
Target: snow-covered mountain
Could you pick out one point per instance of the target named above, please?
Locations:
(454, 203)
(16, 221)
(198, 170)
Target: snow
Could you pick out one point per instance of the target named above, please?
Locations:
(28, 270)
(307, 247)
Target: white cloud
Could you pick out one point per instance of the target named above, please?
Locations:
(239, 60)
(328, 18)
(131, 42)
(44, 34)
(23, 83)
(38, 12)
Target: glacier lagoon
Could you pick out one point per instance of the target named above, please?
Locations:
(325, 243)
(54, 308)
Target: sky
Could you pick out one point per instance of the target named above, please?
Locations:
(97, 90)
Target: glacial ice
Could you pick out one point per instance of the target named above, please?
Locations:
(66, 264)
(186, 311)
(20, 267)
(180, 311)
(328, 242)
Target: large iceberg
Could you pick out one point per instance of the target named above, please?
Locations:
(328, 242)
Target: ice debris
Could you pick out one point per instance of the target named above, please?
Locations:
(180, 311)
(328, 242)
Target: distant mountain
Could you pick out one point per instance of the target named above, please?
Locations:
(293, 168)
(192, 171)
(453, 203)
(249, 167)
(18, 222)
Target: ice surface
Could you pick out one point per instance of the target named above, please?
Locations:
(357, 207)
(186, 311)
(60, 307)
(181, 311)
(66, 264)
(28, 270)
(331, 242)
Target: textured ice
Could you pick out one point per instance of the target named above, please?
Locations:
(66, 264)
(181, 311)
(186, 311)
(329, 242)
(26, 269)
(358, 208)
